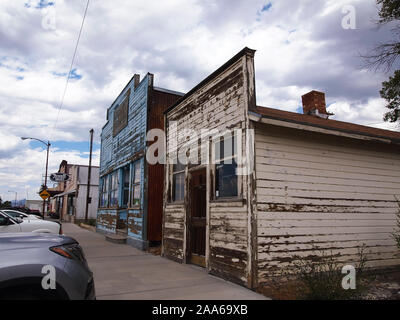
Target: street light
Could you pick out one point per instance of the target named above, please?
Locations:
(47, 144)
(16, 196)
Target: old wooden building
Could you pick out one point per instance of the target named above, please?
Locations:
(130, 195)
(69, 200)
(274, 184)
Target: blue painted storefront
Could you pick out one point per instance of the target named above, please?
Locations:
(125, 149)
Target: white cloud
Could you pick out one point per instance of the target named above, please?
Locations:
(300, 46)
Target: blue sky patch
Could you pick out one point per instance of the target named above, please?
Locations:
(73, 75)
(4, 63)
(263, 9)
(266, 7)
(39, 5)
(67, 146)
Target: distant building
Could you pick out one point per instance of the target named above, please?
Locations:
(34, 204)
(131, 190)
(70, 204)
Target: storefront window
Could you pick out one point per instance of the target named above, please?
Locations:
(104, 192)
(136, 183)
(226, 179)
(178, 182)
(125, 183)
(114, 189)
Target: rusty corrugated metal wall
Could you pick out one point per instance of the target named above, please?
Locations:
(159, 101)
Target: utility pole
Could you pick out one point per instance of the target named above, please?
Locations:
(45, 178)
(16, 196)
(89, 176)
(47, 144)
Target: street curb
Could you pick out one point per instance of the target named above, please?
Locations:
(87, 227)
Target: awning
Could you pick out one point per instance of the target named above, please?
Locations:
(65, 193)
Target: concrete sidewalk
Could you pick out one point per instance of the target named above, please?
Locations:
(123, 272)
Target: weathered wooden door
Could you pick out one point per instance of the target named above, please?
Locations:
(197, 219)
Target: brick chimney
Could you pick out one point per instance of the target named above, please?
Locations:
(312, 101)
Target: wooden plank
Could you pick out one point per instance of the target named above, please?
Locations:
(306, 216)
(278, 224)
(331, 208)
(316, 145)
(272, 270)
(310, 244)
(228, 237)
(323, 180)
(343, 255)
(228, 223)
(370, 189)
(316, 162)
(313, 172)
(323, 230)
(323, 238)
(289, 192)
(325, 201)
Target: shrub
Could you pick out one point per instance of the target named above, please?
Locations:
(321, 276)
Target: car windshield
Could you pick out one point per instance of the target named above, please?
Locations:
(13, 214)
(14, 219)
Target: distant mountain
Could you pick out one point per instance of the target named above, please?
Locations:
(19, 203)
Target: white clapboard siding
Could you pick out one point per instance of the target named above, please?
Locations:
(336, 150)
(327, 187)
(174, 222)
(219, 104)
(316, 192)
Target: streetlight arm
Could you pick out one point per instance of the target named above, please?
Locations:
(47, 164)
(47, 144)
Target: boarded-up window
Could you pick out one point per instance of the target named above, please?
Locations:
(121, 115)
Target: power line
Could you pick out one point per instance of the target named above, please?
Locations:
(70, 68)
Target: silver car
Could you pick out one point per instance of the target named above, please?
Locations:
(43, 266)
(9, 224)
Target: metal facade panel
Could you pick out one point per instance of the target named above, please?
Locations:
(159, 101)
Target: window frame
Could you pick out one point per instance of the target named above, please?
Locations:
(136, 184)
(218, 162)
(104, 195)
(178, 169)
(124, 188)
(114, 189)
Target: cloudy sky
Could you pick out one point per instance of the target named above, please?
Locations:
(301, 45)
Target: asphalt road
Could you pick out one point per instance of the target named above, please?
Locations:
(125, 273)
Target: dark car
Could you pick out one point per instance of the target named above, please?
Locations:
(54, 215)
(25, 261)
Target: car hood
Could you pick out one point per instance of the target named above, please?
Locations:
(9, 241)
(39, 222)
